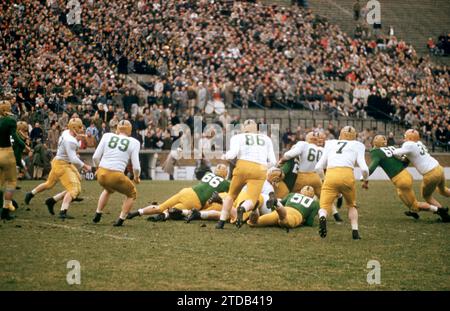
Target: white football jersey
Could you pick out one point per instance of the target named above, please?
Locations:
(263, 209)
(343, 153)
(67, 149)
(115, 150)
(417, 153)
(252, 147)
(307, 155)
(267, 188)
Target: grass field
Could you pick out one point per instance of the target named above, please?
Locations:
(172, 255)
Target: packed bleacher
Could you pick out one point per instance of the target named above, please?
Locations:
(229, 53)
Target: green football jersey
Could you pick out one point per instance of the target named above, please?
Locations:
(18, 146)
(384, 157)
(8, 128)
(307, 206)
(208, 185)
(289, 169)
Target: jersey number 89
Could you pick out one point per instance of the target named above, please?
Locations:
(114, 141)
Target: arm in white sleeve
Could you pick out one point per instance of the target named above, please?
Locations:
(234, 149)
(271, 154)
(404, 150)
(96, 158)
(361, 160)
(135, 160)
(295, 151)
(71, 153)
(321, 165)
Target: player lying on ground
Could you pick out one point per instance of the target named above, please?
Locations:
(295, 210)
(433, 173)
(274, 175)
(339, 159)
(189, 198)
(254, 154)
(383, 156)
(111, 157)
(8, 171)
(64, 169)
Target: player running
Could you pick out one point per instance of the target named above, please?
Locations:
(111, 157)
(255, 154)
(339, 160)
(65, 168)
(433, 173)
(295, 210)
(383, 156)
(190, 198)
(8, 172)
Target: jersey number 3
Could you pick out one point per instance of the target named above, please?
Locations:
(123, 143)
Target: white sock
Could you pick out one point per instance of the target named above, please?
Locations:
(34, 191)
(207, 214)
(334, 209)
(354, 226)
(224, 215)
(7, 204)
(65, 206)
(185, 212)
(433, 208)
(248, 205)
(323, 212)
(123, 215)
(166, 214)
(99, 211)
(59, 196)
(141, 211)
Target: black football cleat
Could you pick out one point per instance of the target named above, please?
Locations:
(118, 222)
(50, 202)
(443, 212)
(322, 226)
(339, 202)
(240, 216)
(220, 224)
(63, 215)
(412, 214)
(28, 197)
(15, 204)
(97, 218)
(338, 217)
(133, 214)
(215, 198)
(159, 217)
(355, 235)
(254, 216)
(175, 214)
(5, 214)
(195, 215)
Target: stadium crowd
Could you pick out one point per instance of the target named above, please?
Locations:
(198, 53)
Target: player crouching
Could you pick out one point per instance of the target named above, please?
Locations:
(111, 157)
(295, 210)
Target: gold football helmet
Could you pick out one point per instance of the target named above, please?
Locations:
(5, 108)
(76, 125)
(221, 170)
(312, 138)
(379, 141)
(321, 139)
(22, 129)
(348, 133)
(250, 126)
(124, 127)
(308, 191)
(412, 135)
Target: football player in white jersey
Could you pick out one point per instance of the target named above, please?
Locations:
(111, 157)
(65, 168)
(433, 173)
(254, 153)
(339, 160)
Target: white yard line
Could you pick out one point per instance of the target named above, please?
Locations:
(112, 236)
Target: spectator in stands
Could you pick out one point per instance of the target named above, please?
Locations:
(391, 140)
(53, 136)
(356, 10)
(36, 134)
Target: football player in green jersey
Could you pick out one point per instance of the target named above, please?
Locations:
(383, 156)
(295, 210)
(189, 198)
(8, 172)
